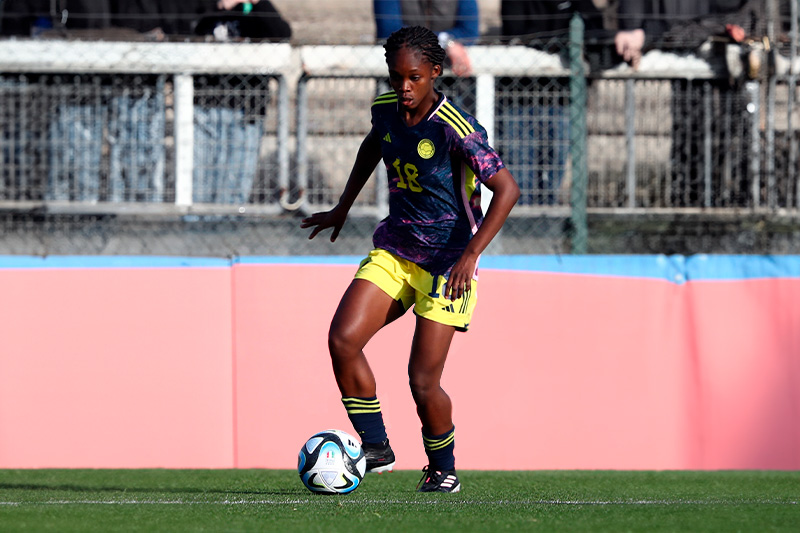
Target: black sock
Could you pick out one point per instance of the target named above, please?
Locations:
(366, 417)
(439, 449)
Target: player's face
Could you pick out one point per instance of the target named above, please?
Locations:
(411, 76)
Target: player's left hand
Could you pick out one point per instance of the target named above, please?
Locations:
(460, 279)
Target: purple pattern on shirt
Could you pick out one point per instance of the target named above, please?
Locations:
(432, 216)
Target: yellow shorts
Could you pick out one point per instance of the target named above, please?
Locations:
(411, 285)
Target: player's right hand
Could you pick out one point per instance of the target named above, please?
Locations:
(326, 219)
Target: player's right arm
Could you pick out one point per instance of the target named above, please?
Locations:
(368, 157)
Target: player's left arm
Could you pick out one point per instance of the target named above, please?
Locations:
(505, 193)
(367, 158)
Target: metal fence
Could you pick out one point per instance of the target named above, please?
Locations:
(219, 148)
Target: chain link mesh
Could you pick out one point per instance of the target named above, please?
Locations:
(95, 157)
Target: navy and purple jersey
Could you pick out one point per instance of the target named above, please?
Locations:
(435, 169)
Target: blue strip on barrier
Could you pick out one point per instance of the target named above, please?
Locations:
(108, 261)
(672, 268)
(300, 260)
(669, 268)
(735, 267)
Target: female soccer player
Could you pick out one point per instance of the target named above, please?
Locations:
(426, 251)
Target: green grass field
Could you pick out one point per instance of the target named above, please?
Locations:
(275, 500)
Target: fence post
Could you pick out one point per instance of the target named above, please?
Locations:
(753, 91)
(301, 138)
(184, 138)
(707, 144)
(283, 133)
(485, 97)
(577, 131)
(382, 185)
(630, 141)
(794, 181)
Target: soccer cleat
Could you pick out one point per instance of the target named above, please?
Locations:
(380, 457)
(438, 481)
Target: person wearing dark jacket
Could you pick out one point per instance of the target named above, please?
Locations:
(164, 19)
(230, 110)
(542, 18)
(455, 22)
(533, 126)
(691, 27)
(255, 19)
(682, 25)
(20, 17)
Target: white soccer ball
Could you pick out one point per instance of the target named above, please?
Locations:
(331, 462)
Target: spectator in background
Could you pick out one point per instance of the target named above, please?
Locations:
(230, 110)
(158, 19)
(31, 17)
(682, 25)
(20, 17)
(706, 29)
(533, 125)
(137, 120)
(90, 112)
(23, 130)
(455, 22)
(127, 113)
(81, 14)
(137, 114)
(244, 19)
(76, 131)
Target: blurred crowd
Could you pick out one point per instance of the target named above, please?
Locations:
(156, 20)
(632, 25)
(616, 33)
(616, 30)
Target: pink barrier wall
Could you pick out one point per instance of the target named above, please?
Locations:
(228, 367)
(116, 368)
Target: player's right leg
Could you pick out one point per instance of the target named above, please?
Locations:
(364, 309)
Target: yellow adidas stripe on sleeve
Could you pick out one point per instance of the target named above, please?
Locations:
(449, 114)
(386, 98)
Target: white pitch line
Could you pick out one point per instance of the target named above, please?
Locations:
(403, 502)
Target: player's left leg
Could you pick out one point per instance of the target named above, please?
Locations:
(428, 355)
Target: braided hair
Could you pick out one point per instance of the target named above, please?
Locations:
(417, 38)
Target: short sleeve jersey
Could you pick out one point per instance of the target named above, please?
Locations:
(435, 170)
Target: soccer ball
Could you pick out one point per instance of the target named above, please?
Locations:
(331, 462)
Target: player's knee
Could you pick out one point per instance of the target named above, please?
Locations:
(337, 343)
(342, 345)
(423, 388)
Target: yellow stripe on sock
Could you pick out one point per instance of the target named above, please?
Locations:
(357, 406)
(431, 444)
(357, 401)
